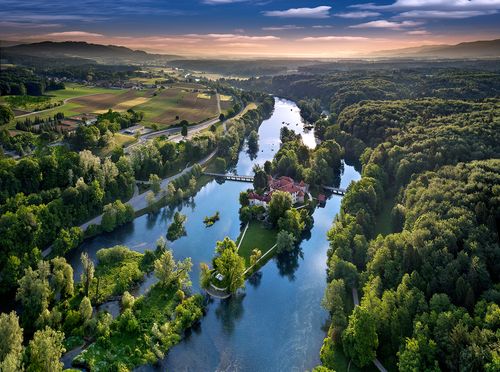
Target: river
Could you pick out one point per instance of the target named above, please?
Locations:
(277, 323)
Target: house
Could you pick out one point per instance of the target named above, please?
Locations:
(67, 126)
(260, 200)
(85, 119)
(287, 184)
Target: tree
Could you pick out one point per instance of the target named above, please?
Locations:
(280, 202)
(184, 130)
(205, 275)
(292, 223)
(255, 256)
(150, 199)
(11, 347)
(62, 277)
(230, 264)
(285, 242)
(86, 309)
(45, 351)
(176, 228)
(127, 300)
(244, 201)
(259, 178)
(88, 272)
(333, 302)
(221, 117)
(360, 339)
(6, 114)
(155, 183)
(34, 291)
(169, 272)
(67, 240)
(220, 164)
(253, 142)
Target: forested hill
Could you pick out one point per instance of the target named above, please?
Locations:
(80, 49)
(474, 49)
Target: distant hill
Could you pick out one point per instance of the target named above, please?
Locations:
(474, 49)
(80, 49)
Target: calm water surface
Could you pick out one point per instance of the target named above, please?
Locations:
(277, 324)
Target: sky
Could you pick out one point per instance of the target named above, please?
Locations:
(253, 28)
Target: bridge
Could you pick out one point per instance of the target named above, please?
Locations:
(231, 177)
(335, 190)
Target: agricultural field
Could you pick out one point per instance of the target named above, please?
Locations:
(86, 100)
(226, 103)
(175, 104)
(184, 101)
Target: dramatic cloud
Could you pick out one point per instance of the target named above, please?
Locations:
(282, 28)
(356, 15)
(391, 25)
(318, 12)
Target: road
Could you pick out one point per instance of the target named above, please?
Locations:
(175, 133)
(139, 202)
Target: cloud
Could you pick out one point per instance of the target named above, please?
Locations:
(73, 34)
(322, 26)
(282, 28)
(232, 37)
(356, 15)
(439, 9)
(318, 12)
(440, 14)
(391, 25)
(418, 32)
(335, 38)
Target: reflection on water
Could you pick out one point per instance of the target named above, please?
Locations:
(277, 323)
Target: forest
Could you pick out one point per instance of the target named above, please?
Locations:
(418, 234)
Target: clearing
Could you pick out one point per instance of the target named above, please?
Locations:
(257, 236)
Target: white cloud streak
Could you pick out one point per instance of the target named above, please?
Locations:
(318, 12)
(391, 25)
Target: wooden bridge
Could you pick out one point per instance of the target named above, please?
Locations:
(231, 177)
(335, 190)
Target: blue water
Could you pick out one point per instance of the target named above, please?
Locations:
(277, 323)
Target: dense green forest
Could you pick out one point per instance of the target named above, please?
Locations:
(418, 234)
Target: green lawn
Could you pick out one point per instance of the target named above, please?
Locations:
(257, 236)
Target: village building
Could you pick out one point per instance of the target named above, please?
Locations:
(287, 184)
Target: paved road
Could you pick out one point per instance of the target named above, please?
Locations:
(139, 202)
(175, 133)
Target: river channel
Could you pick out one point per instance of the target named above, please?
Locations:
(277, 323)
